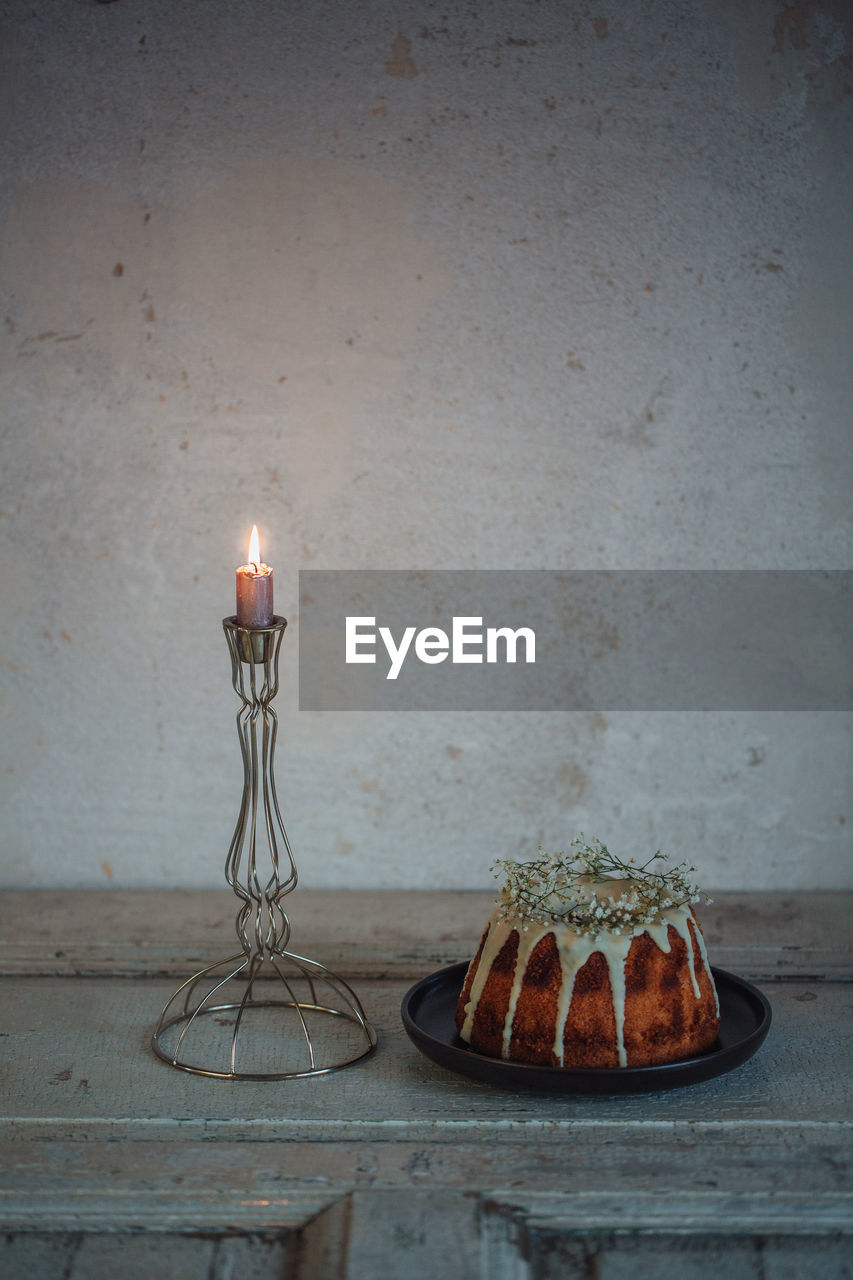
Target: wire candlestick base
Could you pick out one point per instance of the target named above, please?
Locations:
(264, 1013)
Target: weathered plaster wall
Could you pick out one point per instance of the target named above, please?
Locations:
(430, 285)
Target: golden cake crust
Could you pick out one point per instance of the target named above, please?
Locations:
(666, 1010)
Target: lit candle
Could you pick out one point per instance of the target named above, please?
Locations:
(254, 588)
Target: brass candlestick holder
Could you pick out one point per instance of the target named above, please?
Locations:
(264, 1013)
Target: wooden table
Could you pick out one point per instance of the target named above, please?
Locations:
(115, 1165)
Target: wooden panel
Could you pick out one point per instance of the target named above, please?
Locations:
(113, 1163)
(293, 1179)
(78, 1052)
(381, 934)
(105, 1206)
(677, 1256)
(83, 1255)
(707, 1212)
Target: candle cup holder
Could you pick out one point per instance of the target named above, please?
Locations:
(264, 1013)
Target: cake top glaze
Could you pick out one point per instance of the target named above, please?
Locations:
(592, 891)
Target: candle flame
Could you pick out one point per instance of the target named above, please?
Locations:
(255, 549)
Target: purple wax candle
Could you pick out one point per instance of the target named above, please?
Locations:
(254, 588)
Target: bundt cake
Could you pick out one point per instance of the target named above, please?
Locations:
(581, 967)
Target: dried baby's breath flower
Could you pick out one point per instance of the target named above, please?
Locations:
(560, 888)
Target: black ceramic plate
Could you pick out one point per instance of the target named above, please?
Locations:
(429, 1006)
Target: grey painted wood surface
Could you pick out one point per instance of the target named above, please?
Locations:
(396, 1166)
(375, 934)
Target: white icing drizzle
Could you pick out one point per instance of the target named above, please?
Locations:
(688, 938)
(570, 966)
(704, 954)
(515, 992)
(574, 950)
(497, 932)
